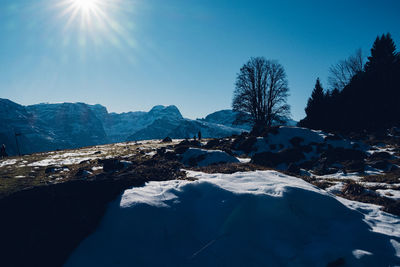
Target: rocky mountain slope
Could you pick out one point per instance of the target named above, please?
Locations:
(45, 127)
(16, 119)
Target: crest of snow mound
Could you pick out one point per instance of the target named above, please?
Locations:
(261, 218)
(202, 157)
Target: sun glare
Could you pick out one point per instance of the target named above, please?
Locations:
(85, 5)
(98, 22)
(85, 12)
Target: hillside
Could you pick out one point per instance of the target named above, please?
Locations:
(279, 196)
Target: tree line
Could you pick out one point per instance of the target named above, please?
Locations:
(363, 94)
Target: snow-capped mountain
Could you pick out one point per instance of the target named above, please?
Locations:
(31, 135)
(46, 127)
(74, 124)
(119, 127)
(228, 117)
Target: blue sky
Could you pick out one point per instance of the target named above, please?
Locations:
(141, 53)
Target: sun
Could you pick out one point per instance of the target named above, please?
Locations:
(98, 22)
(85, 5)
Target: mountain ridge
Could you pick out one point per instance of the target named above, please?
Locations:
(52, 126)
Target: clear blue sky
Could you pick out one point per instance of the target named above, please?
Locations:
(134, 54)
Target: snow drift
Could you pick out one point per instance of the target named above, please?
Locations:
(261, 218)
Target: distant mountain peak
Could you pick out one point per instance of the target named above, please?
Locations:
(168, 111)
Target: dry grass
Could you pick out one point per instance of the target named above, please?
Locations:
(20, 176)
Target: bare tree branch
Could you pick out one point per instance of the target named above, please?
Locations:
(342, 72)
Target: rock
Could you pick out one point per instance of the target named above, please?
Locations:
(379, 164)
(380, 156)
(295, 141)
(324, 169)
(270, 159)
(308, 165)
(82, 173)
(393, 168)
(306, 149)
(340, 154)
(195, 160)
(180, 149)
(166, 140)
(161, 151)
(293, 168)
(267, 159)
(353, 189)
(245, 144)
(291, 155)
(333, 137)
(213, 143)
(51, 169)
(111, 165)
(354, 166)
(170, 156)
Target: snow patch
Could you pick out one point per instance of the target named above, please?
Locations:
(8, 162)
(389, 193)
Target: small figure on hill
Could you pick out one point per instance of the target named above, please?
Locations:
(194, 137)
(3, 152)
(199, 135)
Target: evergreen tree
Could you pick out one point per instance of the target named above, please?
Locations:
(315, 108)
(383, 54)
(316, 99)
(370, 101)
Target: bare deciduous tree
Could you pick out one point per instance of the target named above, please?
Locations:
(342, 72)
(261, 91)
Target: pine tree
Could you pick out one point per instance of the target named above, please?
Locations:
(315, 108)
(316, 99)
(383, 54)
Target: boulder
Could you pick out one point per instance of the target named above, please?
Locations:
(340, 154)
(354, 166)
(111, 165)
(269, 159)
(245, 144)
(379, 164)
(180, 149)
(296, 141)
(293, 168)
(213, 143)
(167, 140)
(380, 156)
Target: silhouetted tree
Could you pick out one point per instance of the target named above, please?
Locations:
(383, 55)
(370, 100)
(341, 73)
(261, 90)
(315, 108)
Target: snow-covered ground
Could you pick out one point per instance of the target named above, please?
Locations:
(260, 218)
(282, 140)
